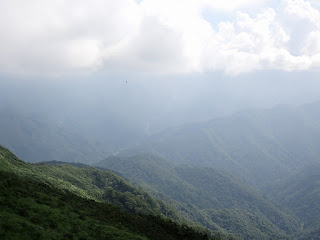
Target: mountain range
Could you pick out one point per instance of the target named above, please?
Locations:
(258, 146)
(250, 175)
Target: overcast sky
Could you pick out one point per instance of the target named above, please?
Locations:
(58, 38)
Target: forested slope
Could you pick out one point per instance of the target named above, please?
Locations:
(301, 194)
(207, 196)
(63, 201)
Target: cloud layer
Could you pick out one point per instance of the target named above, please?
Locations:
(168, 36)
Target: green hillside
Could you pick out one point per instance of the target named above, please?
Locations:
(207, 196)
(34, 210)
(91, 183)
(41, 202)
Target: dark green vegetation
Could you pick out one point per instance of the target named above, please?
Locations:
(91, 183)
(204, 195)
(44, 202)
(34, 210)
(257, 146)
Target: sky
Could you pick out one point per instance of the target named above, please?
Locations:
(115, 71)
(156, 63)
(159, 37)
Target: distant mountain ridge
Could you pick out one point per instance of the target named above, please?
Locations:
(35, 139)
(258, 146)
(191, 169)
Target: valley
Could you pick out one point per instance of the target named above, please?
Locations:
(250, 175)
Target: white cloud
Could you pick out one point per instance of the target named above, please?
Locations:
(312, 45)
(62, 36)
(300, 9)
(167, 36)
(231, 5)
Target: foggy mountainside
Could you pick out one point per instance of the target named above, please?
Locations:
(178, 171)
(188, 169)
(274, 150)
(88, 119)
(258, 146)
(38, 140)
(160, 120)
(50, 202)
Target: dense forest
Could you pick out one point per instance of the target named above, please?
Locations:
(208, 196)
(53, 204)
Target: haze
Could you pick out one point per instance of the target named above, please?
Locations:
(196, 112)
(151, 65)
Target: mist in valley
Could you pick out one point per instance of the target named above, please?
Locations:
(208, 115)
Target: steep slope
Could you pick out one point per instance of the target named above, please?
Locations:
(216, 198)
(257, 146)
(91, 183)
(46, 203)
(30, 209)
